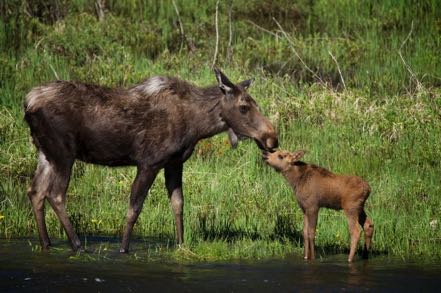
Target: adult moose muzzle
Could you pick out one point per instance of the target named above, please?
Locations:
(153, 125)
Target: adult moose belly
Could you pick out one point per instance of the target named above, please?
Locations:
(106, 143)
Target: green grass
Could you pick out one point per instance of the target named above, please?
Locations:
(385, 126)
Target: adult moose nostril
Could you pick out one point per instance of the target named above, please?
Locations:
(271, 143)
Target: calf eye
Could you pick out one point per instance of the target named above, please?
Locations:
(280, 157)
(243, 109)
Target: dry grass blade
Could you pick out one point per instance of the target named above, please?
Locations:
(217, 35)
(291, 45)
(407, 66)
(338, 68)
(181, 26)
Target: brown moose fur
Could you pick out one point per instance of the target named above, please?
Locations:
(153, 125)
(316, 187)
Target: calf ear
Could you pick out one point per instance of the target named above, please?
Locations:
(297, 155)
(226, 86)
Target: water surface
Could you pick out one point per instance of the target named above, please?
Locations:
(23, 268)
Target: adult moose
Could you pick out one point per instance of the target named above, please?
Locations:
(153, 125)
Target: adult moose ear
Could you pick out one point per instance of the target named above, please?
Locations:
(296, 156)
(246, 83)
(226, 86)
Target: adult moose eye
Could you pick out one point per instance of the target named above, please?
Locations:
(243, 109)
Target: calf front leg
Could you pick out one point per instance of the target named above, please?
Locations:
(312, 216)
(305, 237)
(143, 181)
(173, 182)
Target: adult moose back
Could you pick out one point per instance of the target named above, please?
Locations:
(153, 125)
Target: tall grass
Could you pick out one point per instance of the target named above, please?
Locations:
(385, 126)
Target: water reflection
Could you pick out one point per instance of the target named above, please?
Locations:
(104, 269)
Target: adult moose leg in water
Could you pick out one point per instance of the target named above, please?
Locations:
(143, 181)
(37, 194)
(173, 182)
(153, 125)
(51, 181)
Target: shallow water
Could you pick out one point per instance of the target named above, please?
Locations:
(104, 269)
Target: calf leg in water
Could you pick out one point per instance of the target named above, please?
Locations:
(354, 230)
(144, 179)
(312, 225)
(368, 228)
(173, 182)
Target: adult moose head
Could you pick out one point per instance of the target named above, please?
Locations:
(153, 125)
(241, 114)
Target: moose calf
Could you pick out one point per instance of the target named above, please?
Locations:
(316, 187)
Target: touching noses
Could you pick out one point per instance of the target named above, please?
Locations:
(272, 142)
(270, 139)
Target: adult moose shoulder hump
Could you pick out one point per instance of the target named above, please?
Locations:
(153, 125)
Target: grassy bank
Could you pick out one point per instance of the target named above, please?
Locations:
(383, 124)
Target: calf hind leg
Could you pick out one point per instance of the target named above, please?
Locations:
(368, 227)
(354, 230)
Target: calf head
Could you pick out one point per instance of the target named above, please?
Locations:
(241, 113)
(282, 160)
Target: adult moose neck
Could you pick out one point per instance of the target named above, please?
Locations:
(208, 114)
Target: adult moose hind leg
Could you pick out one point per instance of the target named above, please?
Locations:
(60, 175)
(173, 182)
(140, 187)
(37, 194)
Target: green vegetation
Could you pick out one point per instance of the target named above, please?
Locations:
(383, 123)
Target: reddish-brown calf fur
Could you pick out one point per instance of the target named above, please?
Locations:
(316, 187)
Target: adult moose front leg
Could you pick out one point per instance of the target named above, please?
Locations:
(173, 182)
(143, 181)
